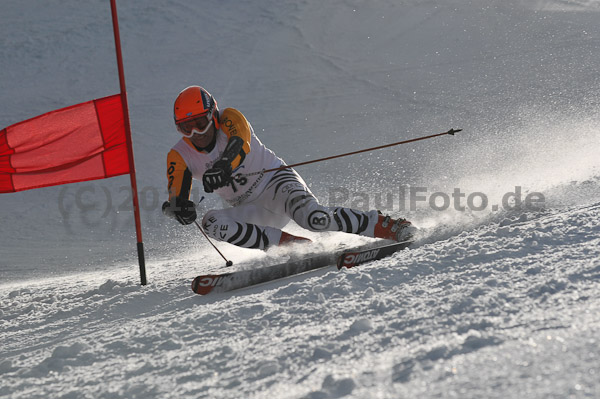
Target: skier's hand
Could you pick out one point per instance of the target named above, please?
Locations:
(218, 176)
(183, 210)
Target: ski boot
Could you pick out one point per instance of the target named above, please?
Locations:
(287, 239)
(394, 229)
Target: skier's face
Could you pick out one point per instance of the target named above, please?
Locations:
(204, 140)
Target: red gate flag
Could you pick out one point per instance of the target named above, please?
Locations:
(82, 142)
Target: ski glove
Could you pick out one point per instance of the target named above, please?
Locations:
(218, 176)
(183, 210)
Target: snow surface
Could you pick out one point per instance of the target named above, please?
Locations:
(491, 303)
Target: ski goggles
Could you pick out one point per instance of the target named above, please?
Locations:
(196, 125)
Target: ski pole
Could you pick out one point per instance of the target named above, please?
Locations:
(227, 262)
(450, 132)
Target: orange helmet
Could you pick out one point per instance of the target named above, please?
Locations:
(195, 101)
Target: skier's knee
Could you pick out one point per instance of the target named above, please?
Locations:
(314, 218)
(210, 219)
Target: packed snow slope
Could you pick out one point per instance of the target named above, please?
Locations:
(509, 309)
(494, 300)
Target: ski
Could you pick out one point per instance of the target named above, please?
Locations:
(221, 282)
(354, 258)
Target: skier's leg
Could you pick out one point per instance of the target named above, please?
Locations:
(246, 226)
(258, 224)
(290, 194)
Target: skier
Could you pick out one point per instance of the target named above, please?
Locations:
(220, 148)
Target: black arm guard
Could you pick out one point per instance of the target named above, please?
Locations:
(233, 149)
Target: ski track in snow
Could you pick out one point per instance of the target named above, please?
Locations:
(503, 299)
